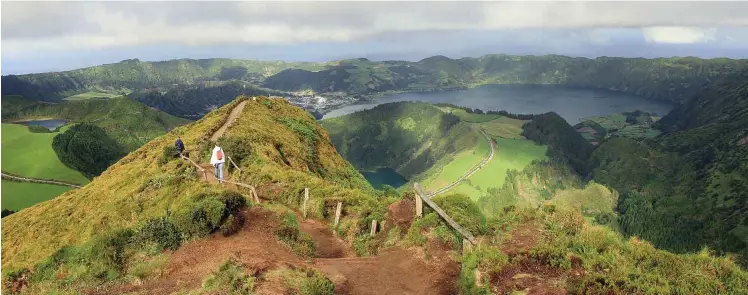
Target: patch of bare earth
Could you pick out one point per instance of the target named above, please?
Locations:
(743, 141)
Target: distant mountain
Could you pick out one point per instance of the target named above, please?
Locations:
(670, 79)
(133, 75)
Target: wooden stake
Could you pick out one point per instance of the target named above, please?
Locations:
(306, 198)
(337, 213)
(381, 225)
(419, 204)
(373, 227)
(466, 246)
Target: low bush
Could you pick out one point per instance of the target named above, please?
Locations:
(38, 129)
(231, 277)
(316, 284)
(232, 225)
(161, 232)
(464, 211)
(168, 153)
(365, 245)
(484, 261)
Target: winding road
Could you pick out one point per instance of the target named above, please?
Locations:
(45, 181)
(470, 171)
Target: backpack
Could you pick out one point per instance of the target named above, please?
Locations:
(219, 154)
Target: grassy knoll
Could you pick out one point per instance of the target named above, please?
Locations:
(472, 117)
(19, 195)
(90, 95)
(510, 154)
(30, 154)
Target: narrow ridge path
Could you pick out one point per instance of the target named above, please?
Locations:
(470, 171)
(235, 113)
(37, 180)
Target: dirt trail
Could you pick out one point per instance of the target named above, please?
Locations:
(232, 117)
(392, 271)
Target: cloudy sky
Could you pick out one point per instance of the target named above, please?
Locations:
(53, 36)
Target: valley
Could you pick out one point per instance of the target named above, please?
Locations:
(640, 196)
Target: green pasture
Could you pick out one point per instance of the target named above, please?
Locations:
(90, 95)
(30, 154)
(19, 195)
(504, 127)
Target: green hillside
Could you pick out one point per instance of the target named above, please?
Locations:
(133, 75)
(130, 123)
(686, 189)
(409, 137)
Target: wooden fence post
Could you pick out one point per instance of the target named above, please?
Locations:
(443, 214)
(419, 204)
(373, 227)
(306, 198)
(337, 213)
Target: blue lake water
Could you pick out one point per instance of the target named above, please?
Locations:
(384, 176)
(49, 124)
(571, 103)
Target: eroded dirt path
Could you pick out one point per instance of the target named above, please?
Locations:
(230, 120)
(392, 271)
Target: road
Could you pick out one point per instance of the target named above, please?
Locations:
(470, 171)
(26, 179)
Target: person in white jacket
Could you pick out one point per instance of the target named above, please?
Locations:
(217, 160)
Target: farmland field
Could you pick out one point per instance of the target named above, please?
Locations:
(30, 154)
(90, 95)
(19, 195)
(504, 127)
(510, 154)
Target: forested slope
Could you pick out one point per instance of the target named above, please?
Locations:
(407, 136)
(687, 188)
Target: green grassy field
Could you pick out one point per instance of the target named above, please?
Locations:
(19, 195)
(511, 154)
(31, 155)
(90, 95)
(453, 170)
(503, 127)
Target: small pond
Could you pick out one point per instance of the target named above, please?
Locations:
(49, 124)
(383, 176)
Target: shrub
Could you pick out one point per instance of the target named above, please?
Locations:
(481, 260)
(162, 232)
(464, 211)
(231, 277)
(232, 225)
(415, 234)
(365, 245)
(317, 284)
(38, 129)
(198, 218)
(167, 154)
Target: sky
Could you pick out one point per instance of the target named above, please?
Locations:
(57, 36)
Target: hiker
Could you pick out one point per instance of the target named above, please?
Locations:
(217, 161)
(179, 145)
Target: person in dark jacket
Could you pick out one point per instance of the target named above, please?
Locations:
(179, 145)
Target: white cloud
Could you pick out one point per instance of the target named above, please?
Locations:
(679, 35)
(32, 27)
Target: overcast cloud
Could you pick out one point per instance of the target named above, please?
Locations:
(45, 36)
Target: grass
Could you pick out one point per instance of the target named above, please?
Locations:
(90, 95)
(457, 167)
(31, 155)
(504, 127)
(20, 195)
(511, 154)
